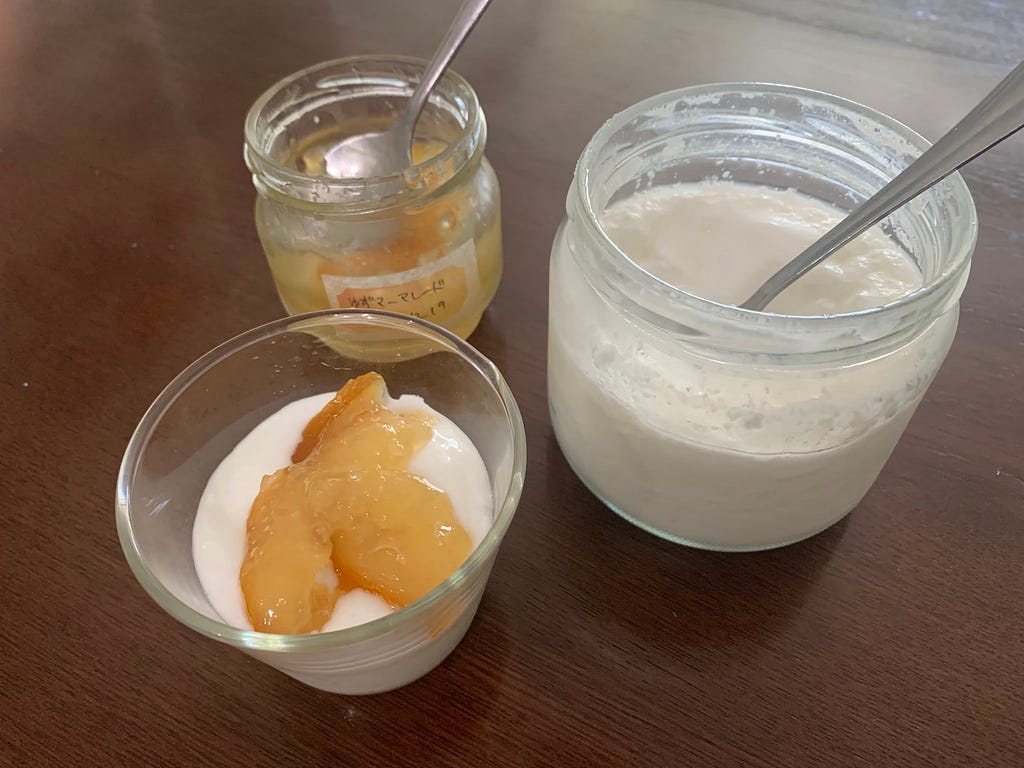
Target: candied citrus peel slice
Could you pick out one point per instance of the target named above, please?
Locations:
(348, 513)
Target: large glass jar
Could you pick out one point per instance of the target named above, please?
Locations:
(720, 427)
(423, 242)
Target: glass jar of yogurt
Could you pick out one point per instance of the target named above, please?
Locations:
(720, 427)
(424, 242)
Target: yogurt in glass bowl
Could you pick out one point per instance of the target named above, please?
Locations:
(194, 465)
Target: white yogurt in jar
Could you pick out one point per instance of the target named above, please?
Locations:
(449, 461)
(721, 241)
(713, 450)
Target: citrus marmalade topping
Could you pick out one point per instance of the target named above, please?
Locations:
(347, 514)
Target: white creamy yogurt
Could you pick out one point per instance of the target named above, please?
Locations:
(449, 461)
(724, 451)
(722, 241)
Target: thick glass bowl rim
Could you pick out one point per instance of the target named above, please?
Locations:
(260, 162)
(262, 641)
(964, 243)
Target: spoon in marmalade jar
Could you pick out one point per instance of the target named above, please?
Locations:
(384, 153)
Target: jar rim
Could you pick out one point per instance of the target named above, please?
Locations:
(935, 289)
(377, 192)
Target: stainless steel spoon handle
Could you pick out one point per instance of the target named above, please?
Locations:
(466, 18)
(997, 116)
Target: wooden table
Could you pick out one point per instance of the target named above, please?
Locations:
(127, 249)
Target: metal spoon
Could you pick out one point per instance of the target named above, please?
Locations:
(996, 117)
(382, 154)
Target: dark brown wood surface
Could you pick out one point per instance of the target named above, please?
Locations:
(127, 249)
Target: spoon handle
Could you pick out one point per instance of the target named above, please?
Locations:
(466, 18)
(998, 116)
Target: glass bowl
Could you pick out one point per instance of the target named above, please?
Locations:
(215, 402)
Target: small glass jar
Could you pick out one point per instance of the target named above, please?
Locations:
(425, 242)
(720, 427)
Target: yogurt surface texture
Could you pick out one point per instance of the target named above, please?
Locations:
(721, 241)
(449, 461)
(723, 450)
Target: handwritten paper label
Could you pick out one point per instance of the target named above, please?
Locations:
(437, 291)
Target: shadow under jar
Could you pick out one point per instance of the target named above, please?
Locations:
(724, 428)
(425, 242)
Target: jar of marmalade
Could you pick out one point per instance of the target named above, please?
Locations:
(424, 242)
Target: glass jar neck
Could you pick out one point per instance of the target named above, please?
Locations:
(822, 145)
(364, 93)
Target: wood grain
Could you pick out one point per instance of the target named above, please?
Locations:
(127, 249)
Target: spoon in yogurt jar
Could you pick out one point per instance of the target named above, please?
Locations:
(996, 117)
(370, 155)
